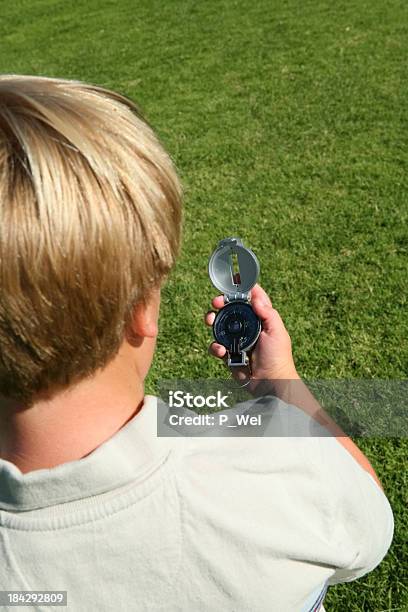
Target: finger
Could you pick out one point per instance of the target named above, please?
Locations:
(209, 318)
(240, 374)
(270, 317)
(257, 293)
(217, 350)
(218, 302)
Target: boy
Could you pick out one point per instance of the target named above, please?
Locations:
(92, 501)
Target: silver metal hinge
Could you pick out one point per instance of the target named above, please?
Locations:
(232, 297)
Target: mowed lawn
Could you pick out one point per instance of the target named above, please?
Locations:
(288, 124)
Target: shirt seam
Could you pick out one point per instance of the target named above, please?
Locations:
(102, 512)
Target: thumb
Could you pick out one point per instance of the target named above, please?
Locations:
(269, 316)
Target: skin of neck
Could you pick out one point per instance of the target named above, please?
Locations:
(76, 421)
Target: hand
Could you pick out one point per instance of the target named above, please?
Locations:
(271, 357)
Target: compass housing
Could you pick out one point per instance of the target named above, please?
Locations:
(234, 270)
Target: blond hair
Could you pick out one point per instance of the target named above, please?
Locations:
(90, 215)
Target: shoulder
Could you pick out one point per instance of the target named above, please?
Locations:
(308, 482)
(362, 515)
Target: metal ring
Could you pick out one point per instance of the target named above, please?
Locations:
(248, 365)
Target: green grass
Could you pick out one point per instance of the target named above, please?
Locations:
(287, 121)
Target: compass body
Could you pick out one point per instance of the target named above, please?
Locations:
(234, 270)
(236, 327)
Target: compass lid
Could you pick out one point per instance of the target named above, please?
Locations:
(230, 262)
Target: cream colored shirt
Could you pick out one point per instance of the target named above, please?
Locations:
(187, 524)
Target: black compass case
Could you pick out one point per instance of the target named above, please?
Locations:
(234, 270)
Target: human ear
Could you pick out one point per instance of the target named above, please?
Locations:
(146, 316)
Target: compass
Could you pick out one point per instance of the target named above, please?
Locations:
(234, 270)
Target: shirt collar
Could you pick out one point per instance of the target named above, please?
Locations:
(132, 450)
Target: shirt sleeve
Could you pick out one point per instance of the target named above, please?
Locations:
(363, 523)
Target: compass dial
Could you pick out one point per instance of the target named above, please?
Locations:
(236, 327)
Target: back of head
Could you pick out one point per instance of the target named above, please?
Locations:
(90, 208)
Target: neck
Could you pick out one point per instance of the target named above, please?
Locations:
(75, 422)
